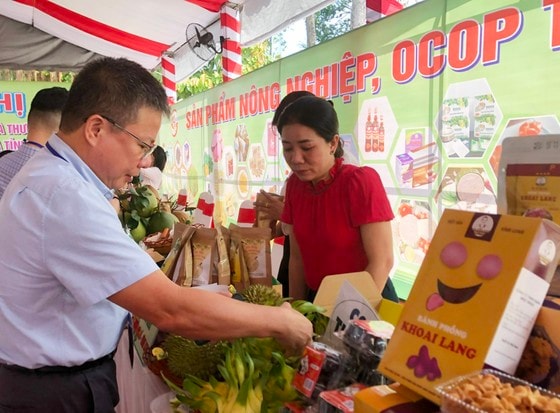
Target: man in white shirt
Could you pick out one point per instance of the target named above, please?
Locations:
(70, 274)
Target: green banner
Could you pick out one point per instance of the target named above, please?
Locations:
(15, 100)
(425, 97)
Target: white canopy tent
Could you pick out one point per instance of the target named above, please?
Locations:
(65, 34)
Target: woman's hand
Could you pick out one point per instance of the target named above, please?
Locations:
(271, 207)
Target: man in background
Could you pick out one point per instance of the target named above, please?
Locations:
(42, 121)
(152, 175)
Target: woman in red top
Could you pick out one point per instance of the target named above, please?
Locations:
(338, 215)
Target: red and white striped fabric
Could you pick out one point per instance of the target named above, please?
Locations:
(168, 78)
(376, 9)
(231, 52)
(144, 31)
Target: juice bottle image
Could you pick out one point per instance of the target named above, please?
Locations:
(381, 134)
(369, 133)
(375, 133)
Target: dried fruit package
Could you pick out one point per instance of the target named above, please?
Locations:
(263, 221)
(540, 361)
(221, 272)
(183, 270)
(529, 181)
(202, 243)
(172, 266)
(529, 177)
(239, 277)
(254, 245)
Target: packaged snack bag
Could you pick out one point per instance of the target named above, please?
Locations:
(540, 362)
(254, 245)
(529, 177)
(177, 244)
(529, 181)
(202, 243)
(239, 275)
(221, 272)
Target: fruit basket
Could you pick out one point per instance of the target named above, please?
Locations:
(491, 391)
(160, 242)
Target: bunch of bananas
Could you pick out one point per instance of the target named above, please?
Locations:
(250, 383)
(254, 375)
(314, 313)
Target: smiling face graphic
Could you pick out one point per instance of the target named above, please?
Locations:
(453, 256)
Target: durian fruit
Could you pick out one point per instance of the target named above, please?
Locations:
(262, 294)
(185, 356)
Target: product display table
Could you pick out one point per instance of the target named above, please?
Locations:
(138, 386)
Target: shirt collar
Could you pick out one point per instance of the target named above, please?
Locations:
(68, 154)
(333, 173)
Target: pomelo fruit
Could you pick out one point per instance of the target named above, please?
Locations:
(145, 202)
(161, 220)
(138, 233)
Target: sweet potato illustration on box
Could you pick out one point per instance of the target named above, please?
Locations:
(475, 299)
(424, 365)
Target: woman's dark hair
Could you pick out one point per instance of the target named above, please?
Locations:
(160, 158)
(315, 113)
(289, 98)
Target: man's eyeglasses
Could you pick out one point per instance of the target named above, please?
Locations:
(148, 149)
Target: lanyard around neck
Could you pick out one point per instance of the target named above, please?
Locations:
(37, 144)
(54, 152)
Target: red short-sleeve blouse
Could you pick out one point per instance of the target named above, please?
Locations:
(326, 219)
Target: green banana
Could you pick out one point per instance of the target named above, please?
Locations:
(238, 361)
(314, 313)
(254, 376)
(231, 370)
(255, 397)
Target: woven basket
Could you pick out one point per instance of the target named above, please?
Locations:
(160, 368)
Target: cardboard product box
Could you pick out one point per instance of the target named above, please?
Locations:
(540, 362)
(391, 398)
(331, 285)
(475, 299)
(350, 296)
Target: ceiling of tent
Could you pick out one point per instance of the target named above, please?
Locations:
(66, 34)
